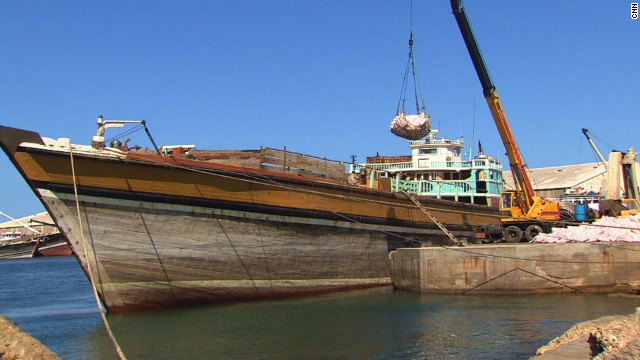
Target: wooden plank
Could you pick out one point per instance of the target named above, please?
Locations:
(300, 161)
(338, 178)
(274, 160)
(244, 158)
(301, 158)
(279, 164)
(223, 154)
(253, 163)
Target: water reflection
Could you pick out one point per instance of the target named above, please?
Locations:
(51, 299)
(371, 324)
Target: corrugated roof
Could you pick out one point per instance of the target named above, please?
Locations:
(559, 177)
(36, 219)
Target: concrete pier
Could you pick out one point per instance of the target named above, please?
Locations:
(15, 344)
(518, 268)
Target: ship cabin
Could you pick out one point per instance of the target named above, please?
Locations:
(435, 168)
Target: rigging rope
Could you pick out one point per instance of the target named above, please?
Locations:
(261, 179)
(86, 259)
(411, 69)
(416, 84)
(525, 271)
(125, 133)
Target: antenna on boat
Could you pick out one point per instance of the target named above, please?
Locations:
(473, 129)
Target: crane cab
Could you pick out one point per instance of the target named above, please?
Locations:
(507, 199)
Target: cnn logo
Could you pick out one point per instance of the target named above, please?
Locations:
(634, 11)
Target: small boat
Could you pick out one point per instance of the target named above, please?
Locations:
(53, 245)
(36, 246)
(18, 249)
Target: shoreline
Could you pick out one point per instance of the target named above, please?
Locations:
(607, 337)
(16, 344)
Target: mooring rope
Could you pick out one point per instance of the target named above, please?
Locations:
(268, 181)
(264, 180)
(482, 254)
(523, 270)
(86, 258)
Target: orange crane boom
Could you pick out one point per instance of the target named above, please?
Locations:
(525, 208)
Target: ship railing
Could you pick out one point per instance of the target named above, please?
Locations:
(578, 199)
(445, 164)
(465, 164)
(435, 141)
(487, 163)
(384, 166)
(421, 164)
(446, 188)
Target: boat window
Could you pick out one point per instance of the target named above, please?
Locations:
(428, 151)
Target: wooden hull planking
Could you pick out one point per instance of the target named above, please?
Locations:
(164, 231)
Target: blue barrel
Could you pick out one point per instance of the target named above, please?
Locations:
(581, 212)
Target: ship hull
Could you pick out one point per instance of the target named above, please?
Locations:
(20, 250)
(54, 245)
(151, 254)
(154, 231)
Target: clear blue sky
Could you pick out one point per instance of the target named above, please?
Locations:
(321, 77)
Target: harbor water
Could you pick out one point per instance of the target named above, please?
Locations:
(51, 299)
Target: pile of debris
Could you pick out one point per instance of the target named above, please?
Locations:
(609, 337)
(625, 229)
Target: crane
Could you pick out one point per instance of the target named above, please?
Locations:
(630, 204)
(528, 214)
(630, 188)
(595, 148)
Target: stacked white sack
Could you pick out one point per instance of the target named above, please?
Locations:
(417, 120)
(605, 229)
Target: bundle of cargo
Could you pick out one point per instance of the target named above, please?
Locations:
(411, 127)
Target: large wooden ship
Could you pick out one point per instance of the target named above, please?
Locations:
(180, 226)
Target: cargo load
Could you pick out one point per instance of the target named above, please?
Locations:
(411, 127)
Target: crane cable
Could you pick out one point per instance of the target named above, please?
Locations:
(411, 64)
